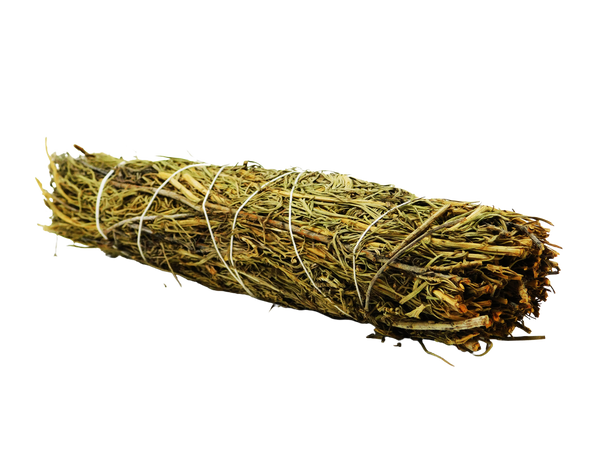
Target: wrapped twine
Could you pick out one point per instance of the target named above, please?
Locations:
(425, 269)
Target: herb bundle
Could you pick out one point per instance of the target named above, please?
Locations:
(424, 269)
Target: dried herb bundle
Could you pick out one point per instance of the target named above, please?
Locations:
(448, 271)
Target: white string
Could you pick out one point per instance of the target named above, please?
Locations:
(239, 278)
(139, 236)
(296, 248)
(102, 184)
(236, 277)
(361, 238)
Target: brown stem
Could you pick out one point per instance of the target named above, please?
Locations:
(480, 321)
(418, 231)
